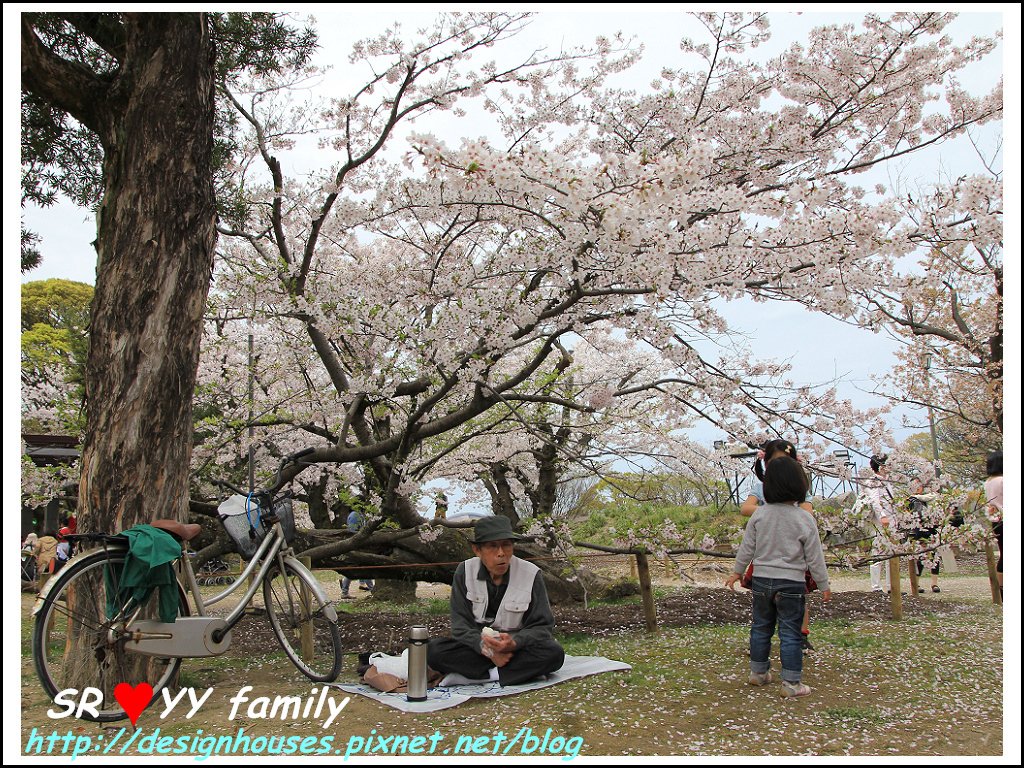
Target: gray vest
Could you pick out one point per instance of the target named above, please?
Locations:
(514, 605)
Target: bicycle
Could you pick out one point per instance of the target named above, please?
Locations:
(90, 632)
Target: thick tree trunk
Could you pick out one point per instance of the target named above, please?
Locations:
(321, 512)
(545, 493)
(995, 368)
(155, 246)
(394, 590)
(498, 487)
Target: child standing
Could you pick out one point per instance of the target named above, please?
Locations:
(782, 542)
(769, 451)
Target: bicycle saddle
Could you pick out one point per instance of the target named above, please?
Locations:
(183, 531)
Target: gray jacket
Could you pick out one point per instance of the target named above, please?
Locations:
(782, 541)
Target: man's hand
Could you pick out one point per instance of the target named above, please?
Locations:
(826, 595)
(731, 581)
(499, 649)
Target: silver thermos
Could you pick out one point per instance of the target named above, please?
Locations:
(418, 637)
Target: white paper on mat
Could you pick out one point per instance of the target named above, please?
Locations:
(452, 696)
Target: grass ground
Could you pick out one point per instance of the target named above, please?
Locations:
(930, 684)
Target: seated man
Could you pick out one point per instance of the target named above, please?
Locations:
(498, 590)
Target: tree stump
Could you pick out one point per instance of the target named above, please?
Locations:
(394, 591)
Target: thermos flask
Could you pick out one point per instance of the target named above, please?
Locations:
(418, 637)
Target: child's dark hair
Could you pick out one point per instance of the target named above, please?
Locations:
(785, 481)
(994, 464)
(769, 449)
(877, 462)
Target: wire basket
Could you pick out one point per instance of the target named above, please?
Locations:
(247, 529)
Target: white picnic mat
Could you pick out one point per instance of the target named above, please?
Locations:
(452, 696)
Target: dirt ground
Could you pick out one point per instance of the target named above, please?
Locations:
(696, 606)
(697, 618)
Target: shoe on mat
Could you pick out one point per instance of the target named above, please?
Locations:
(454, 678)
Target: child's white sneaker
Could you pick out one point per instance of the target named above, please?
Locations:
(792, 690)
(760, 678)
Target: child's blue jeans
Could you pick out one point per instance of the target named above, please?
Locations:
(778, 601)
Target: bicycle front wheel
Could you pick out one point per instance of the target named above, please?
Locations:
(78, 640)
(311, 639)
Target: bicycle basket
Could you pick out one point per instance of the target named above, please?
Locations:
(283, 510)
(246, 529)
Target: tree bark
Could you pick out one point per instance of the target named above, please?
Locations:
(496, 482)
(155, 247)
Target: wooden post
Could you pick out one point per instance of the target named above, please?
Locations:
(306, 606)
(894, 588)
(632, 568)
(644, 571)
(993, 578)
(667, 562)
(913, 561)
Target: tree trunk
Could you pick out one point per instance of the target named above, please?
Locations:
(155, 256)
(995, 367)
(545, 493)
(497, 485)
(322, 512)
(394, 590)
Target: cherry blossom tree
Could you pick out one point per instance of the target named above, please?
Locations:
(428, 305)
(566, 273)
(949, 311)
(451, 300)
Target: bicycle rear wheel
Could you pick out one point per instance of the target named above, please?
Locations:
(76, 645)
(311, 639)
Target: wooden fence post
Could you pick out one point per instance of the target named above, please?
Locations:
(646, 593)
(632, 568)
(912, 570)
(894, 588)
(993, 578)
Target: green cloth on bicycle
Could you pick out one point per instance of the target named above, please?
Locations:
(148, 566)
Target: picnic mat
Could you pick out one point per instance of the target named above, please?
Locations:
(452, 696)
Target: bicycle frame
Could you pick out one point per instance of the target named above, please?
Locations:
(270, 549)
(201, 635)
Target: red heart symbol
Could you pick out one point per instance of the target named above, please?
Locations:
(133, 700)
